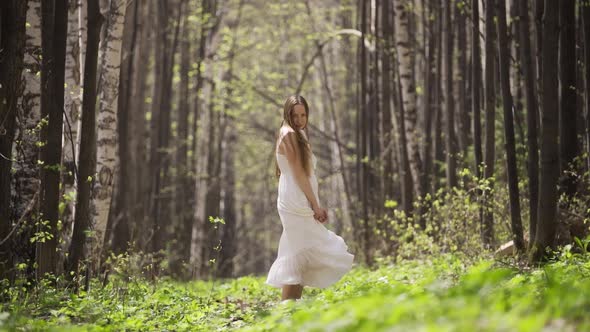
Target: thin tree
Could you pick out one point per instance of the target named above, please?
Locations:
(515, 220)
(184, 228)
(547, 213)
(568, 134)
(54, 20)
(387, 98)
(26, 175)
(405, 52)
(106, 136)
(475, 86)
(586, 21)
(118, 225)
(463, 112)
(490, 116)
(428, 105)
(531, 102)
(12, 45)
(86, 156)
(451, 150)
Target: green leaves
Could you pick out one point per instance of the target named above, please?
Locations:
(438, 294)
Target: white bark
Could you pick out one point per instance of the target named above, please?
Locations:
(82, 23)
(108, 87)
(73, 108)
(408, 85)
(26, 151)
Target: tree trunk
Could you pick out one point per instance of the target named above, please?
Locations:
(87, 156)
(118, 225)
(212, 197)
(72, 101)
(184, 229)
(476, 86)
(531, 103)
(586, 20)
(451, 153)
(568, 134)
(539, 10)
(438, 147)
(361, 143)
(405, 49)
(429, 104)
(25, 178)
(54, 20)
(139, 187)
(547, 213)
(386, 84)
(515, 219)
(107, 90)
(462, 77)
(12, 43)
(490, 117)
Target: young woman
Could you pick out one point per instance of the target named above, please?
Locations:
(309, 254)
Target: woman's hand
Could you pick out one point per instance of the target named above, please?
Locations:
(320, 214)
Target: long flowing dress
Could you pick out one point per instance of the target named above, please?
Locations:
(309, 254)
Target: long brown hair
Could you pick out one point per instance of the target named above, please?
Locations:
(302, 142)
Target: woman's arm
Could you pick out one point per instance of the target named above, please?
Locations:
(294, 156)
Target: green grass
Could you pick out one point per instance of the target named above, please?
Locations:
(442, 294)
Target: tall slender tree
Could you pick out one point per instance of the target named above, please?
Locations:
(86, 156)
(54, 21)
(490, 115)
(451, 149)
(405, 48)
(547, 210)
(12, 43)
(515, 220)
(106, 135)
(528, 69)
(568, 134)
(586, 21)
(475, 86)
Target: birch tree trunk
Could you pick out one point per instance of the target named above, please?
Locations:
(475, 86)
(87, 136)
(72, 107)
(26, 177)
(118, 232)
(108, 88)
(405, 50)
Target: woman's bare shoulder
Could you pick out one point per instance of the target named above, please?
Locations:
(286, 129)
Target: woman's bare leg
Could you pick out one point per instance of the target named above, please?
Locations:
(292, 292)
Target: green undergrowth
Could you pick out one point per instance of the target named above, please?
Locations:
(439, 294)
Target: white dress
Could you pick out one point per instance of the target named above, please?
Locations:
(309, 254)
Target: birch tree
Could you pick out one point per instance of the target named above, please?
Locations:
(108, 85)
(405, 49)
(26, 177)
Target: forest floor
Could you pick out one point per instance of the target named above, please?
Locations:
(440, 294)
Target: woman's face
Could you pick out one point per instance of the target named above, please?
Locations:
(299, 117)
